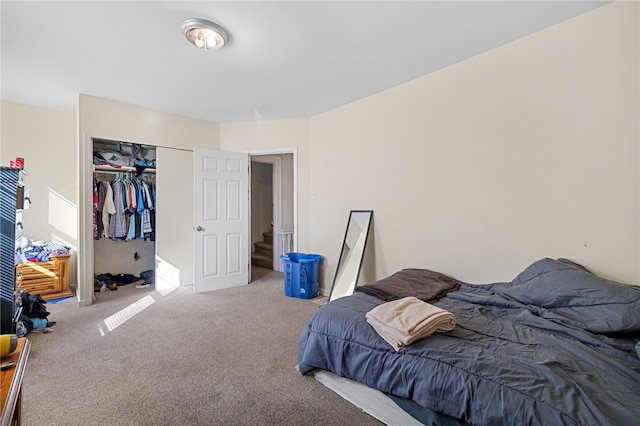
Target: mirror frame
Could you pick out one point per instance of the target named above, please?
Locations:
(341, 260)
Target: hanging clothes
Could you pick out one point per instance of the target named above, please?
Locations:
(124, 208)
(95, 209)
(145, 209)
(130, 212)
(108, 209)
(116, 221)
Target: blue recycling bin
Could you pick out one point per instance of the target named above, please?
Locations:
(301, 274)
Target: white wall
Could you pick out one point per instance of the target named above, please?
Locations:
(528, 151)
(174, 220)
(46, 139)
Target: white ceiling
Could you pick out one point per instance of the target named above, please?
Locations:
(285, 60)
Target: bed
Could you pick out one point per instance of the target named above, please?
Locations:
(556, 345)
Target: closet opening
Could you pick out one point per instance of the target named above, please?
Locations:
(124, 215)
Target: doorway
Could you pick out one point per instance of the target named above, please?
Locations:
(273, 216)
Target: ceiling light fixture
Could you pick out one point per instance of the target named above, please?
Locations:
(204, 34)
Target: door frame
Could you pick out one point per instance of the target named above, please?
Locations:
(277, 189)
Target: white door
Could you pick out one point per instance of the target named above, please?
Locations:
(221, 225)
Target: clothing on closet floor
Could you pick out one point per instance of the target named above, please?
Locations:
(108, 281)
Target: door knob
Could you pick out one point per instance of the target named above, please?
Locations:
(199, 228)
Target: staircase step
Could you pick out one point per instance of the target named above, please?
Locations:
(263, 252)
(268, 237)
(261, 260)
(263, 248)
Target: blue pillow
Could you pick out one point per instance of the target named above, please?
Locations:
(552, 283)
(578, 296)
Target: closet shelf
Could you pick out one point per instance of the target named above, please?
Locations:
(110, 169)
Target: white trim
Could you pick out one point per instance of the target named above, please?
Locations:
(84, 289)
(249, 219)
(295, 199)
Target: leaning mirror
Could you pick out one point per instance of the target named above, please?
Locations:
(351, 254)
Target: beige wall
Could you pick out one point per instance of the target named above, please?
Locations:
(46, 139)
(527, 151)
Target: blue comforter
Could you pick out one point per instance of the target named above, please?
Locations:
(554, 346)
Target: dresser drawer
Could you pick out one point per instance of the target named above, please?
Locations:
(32, 270)
(49, 279)
(42, 285)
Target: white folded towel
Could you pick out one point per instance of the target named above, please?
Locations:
(403, 321)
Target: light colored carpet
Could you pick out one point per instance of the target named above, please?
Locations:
(138, 357)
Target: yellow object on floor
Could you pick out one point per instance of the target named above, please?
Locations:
(8, 344)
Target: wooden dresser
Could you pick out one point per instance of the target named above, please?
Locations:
(49, 279)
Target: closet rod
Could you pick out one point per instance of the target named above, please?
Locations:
(123, 169)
